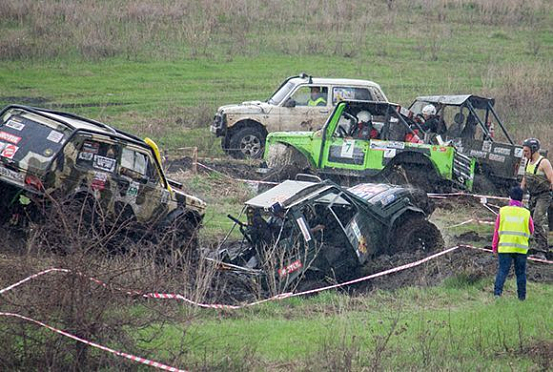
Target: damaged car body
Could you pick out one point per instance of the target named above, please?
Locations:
(300, 232)
(50, 156)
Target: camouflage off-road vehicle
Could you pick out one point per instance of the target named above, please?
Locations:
(48, 156)
(471, 123)
(368, 141)
(300, 103)
(305, 232)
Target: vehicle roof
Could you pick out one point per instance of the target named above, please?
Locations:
(376, 192)
(279, 194)
(458, 100)
(334, 81)
(76, 122)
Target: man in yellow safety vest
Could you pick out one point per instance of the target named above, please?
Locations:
(316, 98)
(538, 181)
(513, 228)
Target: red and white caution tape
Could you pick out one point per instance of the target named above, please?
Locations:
(478, 196)
(134, 358)
(213, 306)
(478, 222)
(237, 179)
(172, 296)
(34, 276)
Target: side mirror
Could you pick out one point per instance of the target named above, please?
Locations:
(290, 102)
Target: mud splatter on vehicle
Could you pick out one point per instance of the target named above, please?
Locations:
(48, 156)
(304, 233)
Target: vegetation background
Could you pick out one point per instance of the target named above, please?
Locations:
(161, 68)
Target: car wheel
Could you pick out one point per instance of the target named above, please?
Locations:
(247, 143)
(414, 233)
(416, 175)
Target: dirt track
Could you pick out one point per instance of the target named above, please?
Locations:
(465, 264)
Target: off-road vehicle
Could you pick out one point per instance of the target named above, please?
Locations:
(300, 103)
(306, 232)
(366, 141)
(471, 123)
(48, 156)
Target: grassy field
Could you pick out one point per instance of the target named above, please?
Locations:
(458, 326)
(160, 69)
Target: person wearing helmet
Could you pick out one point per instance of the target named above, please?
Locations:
(364, 128)
(538, 181)
(432, 122)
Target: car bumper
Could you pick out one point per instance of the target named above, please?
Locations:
(218, 127)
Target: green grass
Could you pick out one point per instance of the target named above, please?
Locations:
(163, 80)
(454, 326)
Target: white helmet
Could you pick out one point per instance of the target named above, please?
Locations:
(364, 116)
(429, 110)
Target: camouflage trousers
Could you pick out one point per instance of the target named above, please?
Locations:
(539, 205)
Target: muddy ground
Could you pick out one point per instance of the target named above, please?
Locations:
(465, 264)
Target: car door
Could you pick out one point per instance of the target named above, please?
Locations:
(343, 151)
(141, 185)
(297, 115)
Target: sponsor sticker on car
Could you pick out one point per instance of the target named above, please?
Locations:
(9, 151)
(11, 174)
(55, 136)
(15, 125)
(104, 163)
(9, 137)
(294, 266)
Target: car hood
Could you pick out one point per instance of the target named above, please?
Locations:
(189, 201)
(246, 107)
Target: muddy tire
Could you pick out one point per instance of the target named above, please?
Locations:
(416, 175)
(247, 143)
(414, 233)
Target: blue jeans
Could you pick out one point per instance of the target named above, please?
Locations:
(505, 260)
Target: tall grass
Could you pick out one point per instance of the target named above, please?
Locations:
(187, 29)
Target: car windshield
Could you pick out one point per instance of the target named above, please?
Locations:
(282, 93)
(30, 140)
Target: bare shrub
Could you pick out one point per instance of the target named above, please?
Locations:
(70, 237)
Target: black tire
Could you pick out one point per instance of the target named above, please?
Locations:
(247, 143)
(413, 233)
(416, 175)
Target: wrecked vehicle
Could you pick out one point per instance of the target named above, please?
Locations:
(300, 103)
(308, 232)
(48, 156)
(470, 123)
(368, 141)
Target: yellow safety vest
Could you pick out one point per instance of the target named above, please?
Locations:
(514, 232)
(316, 102)
(531, 168)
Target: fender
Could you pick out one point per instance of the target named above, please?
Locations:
(411, 157)
(307, 155)
(407, 210)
